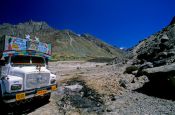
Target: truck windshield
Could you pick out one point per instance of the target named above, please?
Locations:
(27, 60)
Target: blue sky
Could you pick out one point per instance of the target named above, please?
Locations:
(122, 23)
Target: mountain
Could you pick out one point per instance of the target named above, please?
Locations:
(155, 58)
(65, 43)
(158, 48)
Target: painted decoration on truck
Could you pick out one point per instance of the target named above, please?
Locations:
(32, 45)
(39, 46)
(18, 46)
(15, 44)
(43, 47)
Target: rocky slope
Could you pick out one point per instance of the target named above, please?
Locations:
(155, 57)
(66, 44)
(159, 48)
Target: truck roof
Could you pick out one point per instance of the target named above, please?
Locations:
(17, 46)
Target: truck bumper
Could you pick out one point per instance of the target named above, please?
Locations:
(11, 97)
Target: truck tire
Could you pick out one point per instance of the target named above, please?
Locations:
(1, 99)
(47, 97)
(0, 95)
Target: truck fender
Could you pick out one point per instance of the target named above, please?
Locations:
(2, 88)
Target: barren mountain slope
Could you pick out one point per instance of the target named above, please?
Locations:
(159, 48)
(66, 44)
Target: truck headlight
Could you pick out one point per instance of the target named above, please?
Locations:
(16, 87)
(52, 81)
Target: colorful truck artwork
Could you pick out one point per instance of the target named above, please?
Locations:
(25, 47)
(15, 43)
(40, 47)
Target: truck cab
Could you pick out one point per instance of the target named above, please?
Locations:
(24, 72)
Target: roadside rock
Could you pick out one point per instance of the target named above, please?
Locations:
(146, 65)
(74, 88)
(162, 69)
(123, 83)
(159, 63)
(162, 76)
(164, 38)
(135, 72)
(162, 55)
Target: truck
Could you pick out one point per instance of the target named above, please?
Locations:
(24, 73)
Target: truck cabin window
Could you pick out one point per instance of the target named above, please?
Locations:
(27, 60)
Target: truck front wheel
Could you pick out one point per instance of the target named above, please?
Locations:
(47, 97)
(1, 95)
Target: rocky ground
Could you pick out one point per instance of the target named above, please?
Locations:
(94, 88)
(89, 88)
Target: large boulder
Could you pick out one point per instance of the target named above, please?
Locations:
(160, 69)
(161, 76)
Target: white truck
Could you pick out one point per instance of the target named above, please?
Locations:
(24, 72)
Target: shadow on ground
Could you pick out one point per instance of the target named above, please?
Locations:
(158, 89)
(21, 109)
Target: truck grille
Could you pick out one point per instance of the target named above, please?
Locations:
(37, 80)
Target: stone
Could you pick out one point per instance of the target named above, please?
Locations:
(164, 38)
(146, 65)
(134, 72)
(143, 79)
(123, 83)
(159, 63)
(171, 53)
(75, 88)
(161, 69)
(163, 54)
